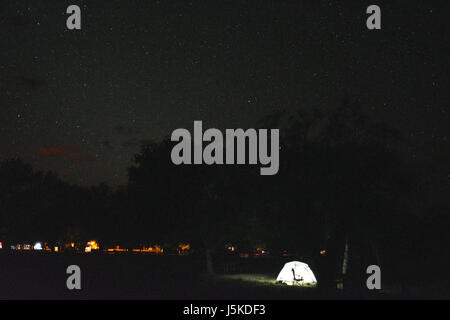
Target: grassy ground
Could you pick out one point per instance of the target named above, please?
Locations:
(103, 276)
(43, 276)
(259, 286)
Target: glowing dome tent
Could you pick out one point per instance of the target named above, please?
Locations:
(296, 273)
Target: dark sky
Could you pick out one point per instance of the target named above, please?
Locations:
(80, 103)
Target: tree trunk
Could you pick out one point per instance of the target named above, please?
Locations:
(345, 259)
(209, 262)
(343, 273)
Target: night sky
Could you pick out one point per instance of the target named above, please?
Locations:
(81, 102)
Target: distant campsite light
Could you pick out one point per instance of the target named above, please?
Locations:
(260, 252)
(230, 247)
(323, 252)
(155, 249)
(37, 246)
(56, 249)
(1, 245)
(183, 248)
(91, 245)
(116, 249)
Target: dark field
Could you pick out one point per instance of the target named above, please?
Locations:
(140, 276)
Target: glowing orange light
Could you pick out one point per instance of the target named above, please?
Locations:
(323, 252)
(91, 245)
(155, 249)
(183, 248)
(116, 249)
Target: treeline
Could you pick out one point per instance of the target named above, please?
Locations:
(340, 182)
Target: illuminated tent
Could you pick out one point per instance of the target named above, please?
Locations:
(296, 273)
